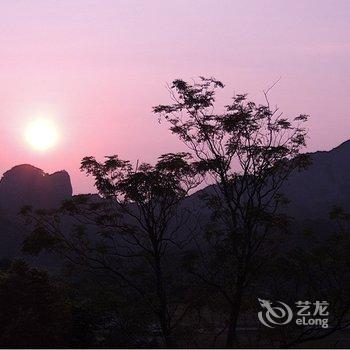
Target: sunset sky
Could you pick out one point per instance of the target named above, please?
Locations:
(96, 68)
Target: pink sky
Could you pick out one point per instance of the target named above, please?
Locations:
(99, 66)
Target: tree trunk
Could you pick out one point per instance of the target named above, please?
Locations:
(163, 305)
(233, 319)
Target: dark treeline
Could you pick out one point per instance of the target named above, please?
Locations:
(150, 262)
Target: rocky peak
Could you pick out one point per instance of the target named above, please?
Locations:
(27, 185)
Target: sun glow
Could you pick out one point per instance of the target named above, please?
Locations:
(41, 134)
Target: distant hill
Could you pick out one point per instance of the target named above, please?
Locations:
(27, 185)
(312, 194)
(325, 183)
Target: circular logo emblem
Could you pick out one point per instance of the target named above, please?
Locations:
(274, 313)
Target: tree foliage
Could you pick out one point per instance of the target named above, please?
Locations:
(134, 228)
(249, 150)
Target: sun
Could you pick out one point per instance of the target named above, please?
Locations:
(41, 134)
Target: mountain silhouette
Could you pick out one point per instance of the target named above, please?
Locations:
(312, 193)
(324, 184)
(27, 185)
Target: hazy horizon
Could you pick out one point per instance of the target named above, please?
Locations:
(97, 68)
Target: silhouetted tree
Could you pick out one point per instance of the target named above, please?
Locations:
(249, 151)
(135, 235)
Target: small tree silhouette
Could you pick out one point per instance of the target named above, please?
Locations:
(136, 223)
